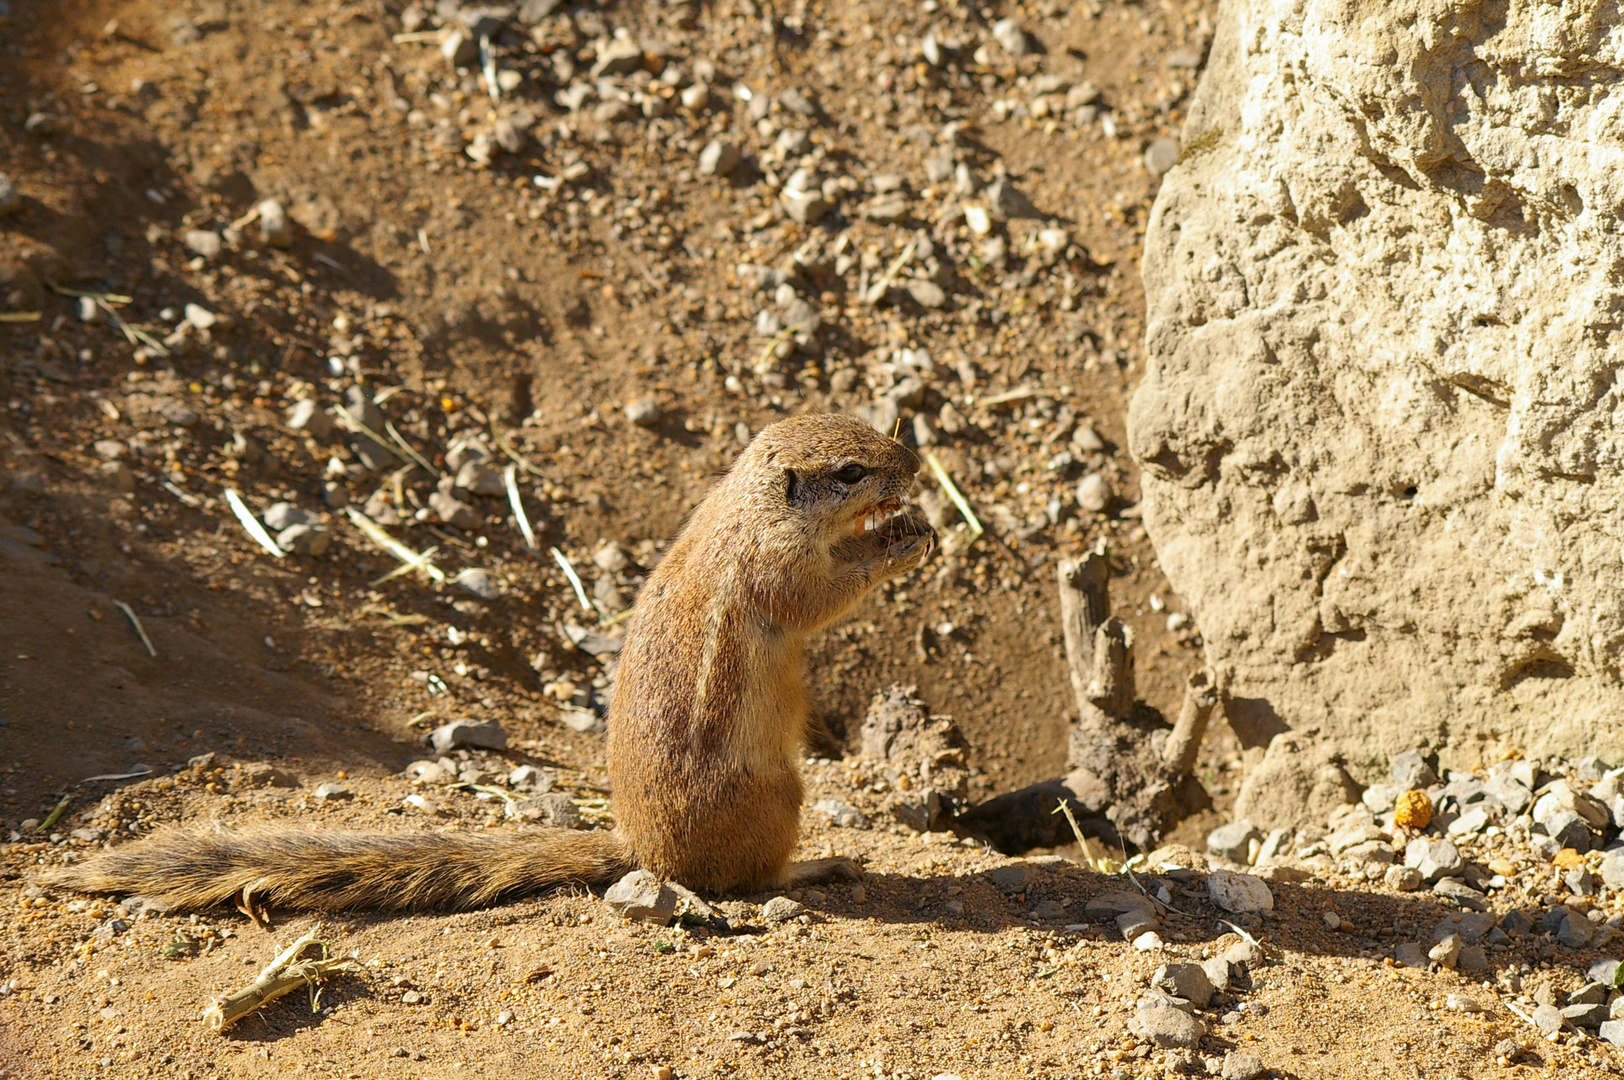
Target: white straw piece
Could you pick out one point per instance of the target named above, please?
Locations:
(510, 477)
(575, 580)
(416, 560)
(251, 523)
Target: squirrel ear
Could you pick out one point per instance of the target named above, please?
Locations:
(792, 487)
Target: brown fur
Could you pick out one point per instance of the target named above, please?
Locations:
(705, 730)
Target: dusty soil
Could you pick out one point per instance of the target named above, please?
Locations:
(474, 301)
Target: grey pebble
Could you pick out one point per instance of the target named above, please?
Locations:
(42, 124)
(644, 412)
(331, 792)
(1167, 1027)
(926, 294)
(1188, 981)
(1161, 155)
(1011, 37)
(1094, 494)
(283, 515)
(719, 158)
(11, 199)
(1233, 841)
(1433, 859)
(842, 815)
(1013, 878)
(642, 897)
(781, 909)
(1411, 771)
(303, 539)
(478, 582)
(487, 736)
(1239, 1066)
(554, 809)
(309, 417)
(203, 242)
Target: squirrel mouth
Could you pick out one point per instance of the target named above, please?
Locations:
(876, 517)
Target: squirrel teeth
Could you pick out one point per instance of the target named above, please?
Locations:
(876, 517)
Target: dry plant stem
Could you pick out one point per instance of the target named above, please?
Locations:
(281, 976)
(1184, 743)
(1098, 654)
(135, 621)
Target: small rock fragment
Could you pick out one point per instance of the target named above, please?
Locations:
(1411, 771)
(1240, 894)
(841, 815)
(926, 294)
(719, 158)
(1013, 878)
(1187, 981)
(781, 909)
(554, 809)
(644, 412)
(488, 736)
(1239, 1066)
(331, 792)
(1402, 878)
(11, 199)
(304, 539)
(642, 897)
(1233, 841)
(308, 416)
(1161, 155)
(273, 224)
(479, 582)
(1433, 859)
(1167, 1027)
(1011, 37)
(203, 242)
(1094, 494)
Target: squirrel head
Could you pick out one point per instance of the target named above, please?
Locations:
(835, 478)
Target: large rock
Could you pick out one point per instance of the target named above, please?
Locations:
(1380, 420)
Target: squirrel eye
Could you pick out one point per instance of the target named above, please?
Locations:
(850, 474)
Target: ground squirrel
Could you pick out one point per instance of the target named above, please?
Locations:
(705, 727)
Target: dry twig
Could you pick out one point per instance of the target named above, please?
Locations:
(281, 976)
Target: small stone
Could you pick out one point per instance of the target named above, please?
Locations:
(1239, 1066)
(1379, 798)
(1548, 1018)
(11, 200)
(1136, 924)
(283, 515)
(554, 809)
(412, 997)
(1411, 954)
(1506, 1050)
(180, 415)
(781, 909)
(1412, 810)
(1411, 771)
(1463, 894)
(1115, 902)
(1187, 981)
(1576, 930)
(1462, 1004)
(42, 124)
(1008, 201)
(841, 815)
(1094, 494)
(695, 97)
(1433, 859)
(1561, 797)
(642, 897)
(1167, 1028)
(1403, 878)
(644, 412)
(203, 242)
(303, 539)
(806, 207)
(1010, 879)
(1049, 911)
(262, 775)
(1568, 830)
(926, 294)
(478, 478)
(453, 511)
(274, 229)
(719, 158)
(308, 416)
(1612, 869)
(1470, 823)
(481, 583)
(1161, 155)
(1239, 894)
(1233, 841)
(1612, 1031)
(1446, 953)
(611, 557)
(1217, 971)
(528, 777)
(487, 736)
(331, 792)
(1011, 37)
(1591, 993)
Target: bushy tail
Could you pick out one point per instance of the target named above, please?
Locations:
(348, 871)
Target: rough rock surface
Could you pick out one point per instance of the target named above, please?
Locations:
(1380, 422)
